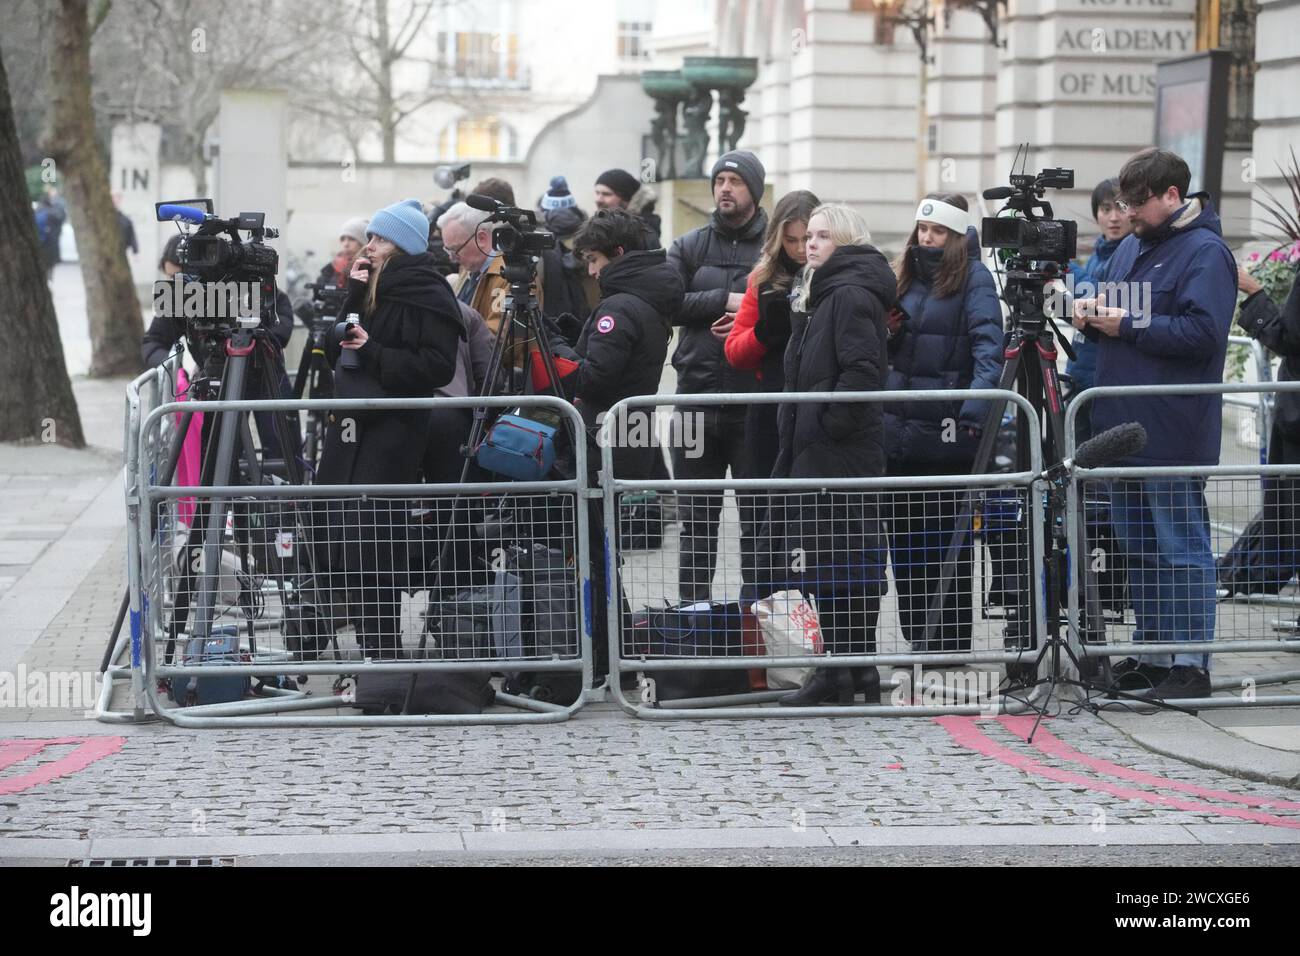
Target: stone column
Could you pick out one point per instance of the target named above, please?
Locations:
(961, 98)
(853, 118)
(253, 158)
(1277, 104)
(1077, 82)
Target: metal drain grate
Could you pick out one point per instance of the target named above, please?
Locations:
(158, 861)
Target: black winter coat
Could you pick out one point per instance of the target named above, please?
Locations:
(1279, 331)
(414, 334)
(713, 261)
(624, 343)
(838, 346)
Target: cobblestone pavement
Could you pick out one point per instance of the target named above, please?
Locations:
(62, 777)
(603, 771)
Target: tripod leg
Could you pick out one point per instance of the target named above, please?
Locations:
(228, 433)
(117, 629)
(174, 453)
(489, 386)
(966, 506)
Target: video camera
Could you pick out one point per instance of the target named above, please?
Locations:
(1034, 247)
(446, 177)
(1030, 234)
(235, 276)
(517, 236)
(214, 251)
(326, 300)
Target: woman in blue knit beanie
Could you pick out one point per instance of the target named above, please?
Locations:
(407, 341)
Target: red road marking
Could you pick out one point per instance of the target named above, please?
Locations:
(1055, 747)
(89, 750)
(964, 731)
(15, 751)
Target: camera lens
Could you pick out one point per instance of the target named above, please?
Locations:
(505, 238)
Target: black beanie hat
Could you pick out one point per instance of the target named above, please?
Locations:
(745, 165)
(621, 182)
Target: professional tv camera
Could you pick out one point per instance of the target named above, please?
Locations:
(237, 274)
(517, 238)
(228, 282)
(326, 300)
(1035, 245)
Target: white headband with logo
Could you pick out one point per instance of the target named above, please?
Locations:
(945, 214)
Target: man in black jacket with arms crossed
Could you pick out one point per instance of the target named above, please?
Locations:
(714, 262)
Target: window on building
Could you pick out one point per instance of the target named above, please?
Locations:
(634, 40)
(885, 11)
(479, 56)
(477, 137)
(635, 25)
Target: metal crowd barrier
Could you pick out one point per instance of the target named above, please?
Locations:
(858, 520)
(1243, 505)
(300, 563)
(143, 394)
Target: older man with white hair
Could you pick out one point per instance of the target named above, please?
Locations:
(479, 282)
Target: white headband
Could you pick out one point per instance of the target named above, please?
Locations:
(945, 214)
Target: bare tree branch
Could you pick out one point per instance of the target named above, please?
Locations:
(100, 15)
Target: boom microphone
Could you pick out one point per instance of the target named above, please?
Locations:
(481, 202)
(171, 212)
(999, 192)
(1111, 445)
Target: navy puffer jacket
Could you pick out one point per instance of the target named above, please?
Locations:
(953, 342)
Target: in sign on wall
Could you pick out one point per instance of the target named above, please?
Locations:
(135, 174)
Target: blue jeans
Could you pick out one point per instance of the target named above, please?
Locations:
(1163, 526)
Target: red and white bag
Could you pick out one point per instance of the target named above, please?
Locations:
(790, 627)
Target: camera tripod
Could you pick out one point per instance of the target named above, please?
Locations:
(248, 362)
(1029, 369)
(521, 325)
(1035, 378)
(314, 378)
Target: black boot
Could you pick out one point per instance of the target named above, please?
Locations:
(827, 685)
(866, 681)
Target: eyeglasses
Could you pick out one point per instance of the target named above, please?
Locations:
(1125, 205)
(472, 236)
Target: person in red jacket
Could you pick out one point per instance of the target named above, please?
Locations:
(758, 335)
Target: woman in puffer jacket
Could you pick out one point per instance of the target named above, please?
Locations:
(946, 333)
(829, 544)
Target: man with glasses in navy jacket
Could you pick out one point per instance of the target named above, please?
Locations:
(1176, 273)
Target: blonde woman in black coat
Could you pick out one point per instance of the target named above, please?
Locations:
(837, 344)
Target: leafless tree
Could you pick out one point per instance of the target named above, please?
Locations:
(169, 60)
(112, 310)
(359, 93)
(34, 389)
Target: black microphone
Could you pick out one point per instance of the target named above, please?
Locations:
(999, 192)
(481, 202)
(1111, 445)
